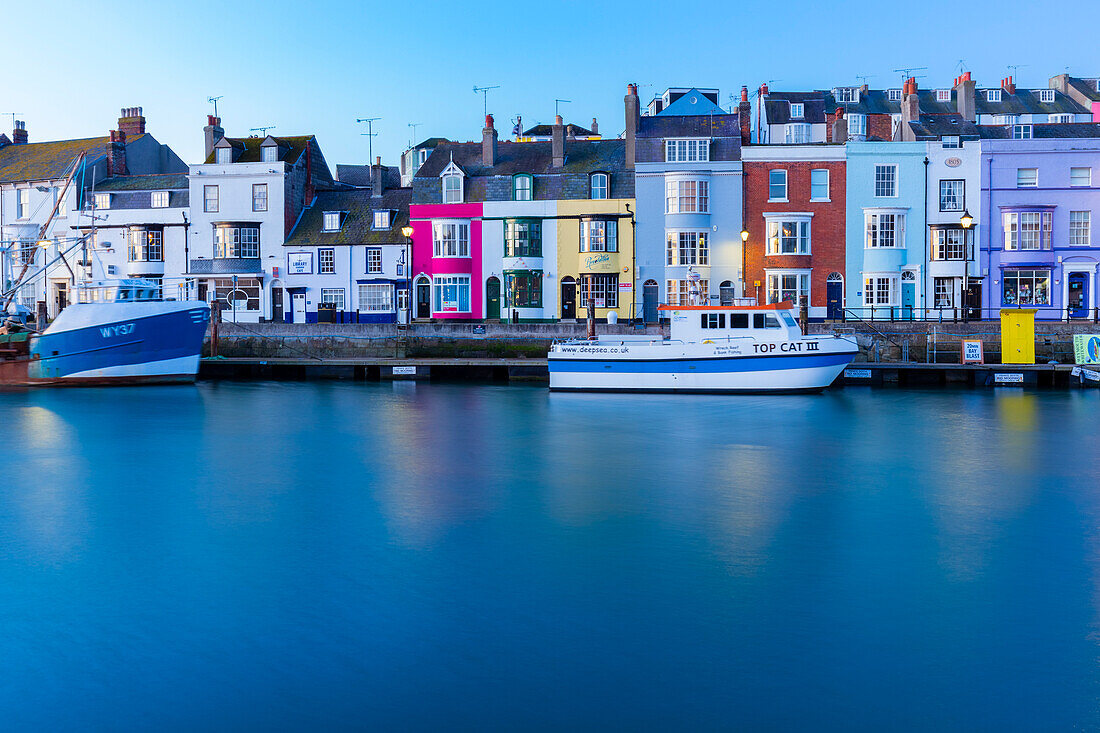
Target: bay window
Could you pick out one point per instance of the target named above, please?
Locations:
(233, 240)
(451, 293)
(1026, 287)
(1028, 230)
(450, 239)
(793, 287)
(687, 292)
(599, 235)
(950, 243)
(686, 248)
(522, 238)
(523, 288)
(885, 229)
(376, 297)
(857, 125)
(145, 245)
(797, 132)
(687, 151)
(605, 290)
(788, 237)
(687, 197)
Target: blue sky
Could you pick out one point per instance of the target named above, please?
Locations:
(315, 67)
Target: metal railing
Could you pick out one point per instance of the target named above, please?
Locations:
(958, 314)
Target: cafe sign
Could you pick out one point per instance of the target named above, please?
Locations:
(299, 263)
(599, 262)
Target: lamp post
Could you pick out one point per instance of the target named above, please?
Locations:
(744, 264)
(967, 221)
(406, 258)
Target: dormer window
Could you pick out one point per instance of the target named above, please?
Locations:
(159, 200)
(993, 95)
(382, 219)
(943, 95)
(894, 95)
(522, 186)
(798, 111)
(598, 186)
(951, 141)
(423, 156)
(1046, 95)
(269, 153)
(103, 200)
(857, 125)
(451, 179)
(331, 221)
(1021, 132)
(846, 94)
(223, 156)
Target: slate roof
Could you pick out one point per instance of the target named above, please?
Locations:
(685, 106)
(150, 182)
(359, 175)
(358, 206)
(933, 127)
(1026, 102)
(49, 160)
(1084, 88)
(581, 156)
(548, 130)
(290, 148)
(716, 125)
(431, 142)
(777, 107)
(1047, 130)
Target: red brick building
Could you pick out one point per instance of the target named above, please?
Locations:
(794, 214)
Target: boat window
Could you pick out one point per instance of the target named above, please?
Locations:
(757, 320)
(739, 320)
(110, 294)
(788, 319)
(713, 320)
(123, 294)
(771, 321)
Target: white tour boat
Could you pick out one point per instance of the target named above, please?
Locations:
(752, 348)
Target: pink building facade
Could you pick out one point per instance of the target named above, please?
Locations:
(447, 261)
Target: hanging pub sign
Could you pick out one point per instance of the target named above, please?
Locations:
(972, 352)
(1086, 349)
(299, 263)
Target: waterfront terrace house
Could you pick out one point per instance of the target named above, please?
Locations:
(1042, 192)
(245, 200)
(347, 259)
(686, 153)
(32, 177)
(523, 229)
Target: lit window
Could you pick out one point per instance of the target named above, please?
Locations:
(1026, 287)
(797, 133)
(451, 239)
(326, 261)
(886, 181)
(374, 260)
(885, 230)
(798, 111)
(376, 297)
(777, 185)
(236, 241)
(790, 237)
(523, 288)
(259, 197)
(102, 201)
(686, 248)
(1079, 227)
(599, 235)
(145, 245)
(159, 200)
(943, 95)
(1046, 95)
(521, 187)
(993, 95)
(382, 220)
(598, 186)
(269, 153)
(209, 199)
(1028, 230)
(604, 288)
(1021, 132)
(687, 292)
(223, 155)
(951, 141)
(819, 184)
(857, 125)
(952, 195)
(1080, 177)
(331, 221)
(687, 151)
(1027, 177)
(792, 287)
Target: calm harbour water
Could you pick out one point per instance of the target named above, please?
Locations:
(287, 556)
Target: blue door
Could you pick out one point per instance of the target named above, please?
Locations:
(1077, 300)
(908, 299)
(649, 301)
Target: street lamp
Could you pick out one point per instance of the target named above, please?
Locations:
(744, 240)
(967, 221)
(408, 232)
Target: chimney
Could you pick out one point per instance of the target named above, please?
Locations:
(595, 127)
(965, 97)
(212, 133)
(744, 116)
(910, 110)
(840, 127)
(19, 134)
(116, 154)
(131, 121)
(763, 90)
(488, 143)
(557, 143)
(1009, 85)
(632, 113)
(376, 185)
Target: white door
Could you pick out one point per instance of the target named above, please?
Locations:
(299, 300)
(402, 305)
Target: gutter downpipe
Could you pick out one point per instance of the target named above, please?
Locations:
(924, 264)
(633, 261)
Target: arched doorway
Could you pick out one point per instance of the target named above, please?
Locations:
(423, 297)
(726, 293)
(650, 297)
(568, 298)
(908, 293)
(492, 299)
(276, 301)
(834, 296)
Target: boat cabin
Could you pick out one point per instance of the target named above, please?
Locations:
(772, 322)
(117, 291)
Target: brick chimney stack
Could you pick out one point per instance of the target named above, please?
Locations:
(632, 116)
(1009, 85)
(557, 143)
(965, 97)
(116, 154)
(212, 133)
(910, 110)
(840, 127)
(131, 121)
(19, 133)
(488, 143)
(377, 187)
(744, 116)
(595, 127)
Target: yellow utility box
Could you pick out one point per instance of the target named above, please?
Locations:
(1017, 335)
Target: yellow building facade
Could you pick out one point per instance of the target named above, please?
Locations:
(595, 253)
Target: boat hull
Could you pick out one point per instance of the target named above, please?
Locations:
(139, 343)
(794, 372)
